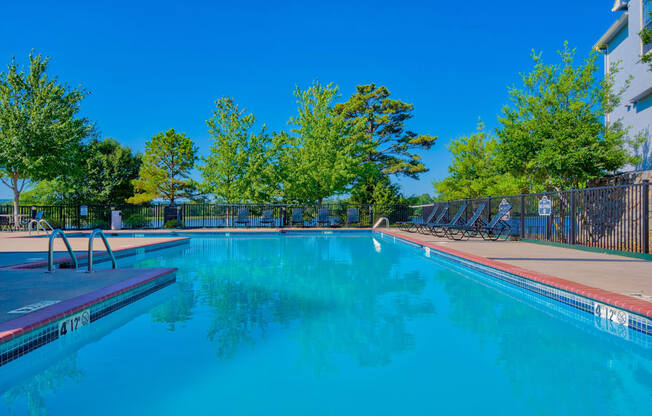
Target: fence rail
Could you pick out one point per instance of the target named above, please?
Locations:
(610, 217)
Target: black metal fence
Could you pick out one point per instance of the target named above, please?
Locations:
(610, 217)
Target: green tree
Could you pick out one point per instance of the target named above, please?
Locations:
(104, 177)
(554, 133)
(473, 172)
(110, 169)
(322, 157)
(40, 132)
(237, 169)
(646, 38)
(165, 171)
(375, 188)
(389, 145)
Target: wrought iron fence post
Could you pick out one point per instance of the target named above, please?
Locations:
(645, 213)
(488, 209)
(522, 216)
(572, 217)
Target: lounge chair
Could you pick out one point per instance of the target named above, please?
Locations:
(436, 222)
(323, 217)
(420, 226)
(416, 223)
(441, 229)
(35, 221)
(268, 218)
(469, 228)
(497, 227)
(297, 216)
(353, 216)
(243, 217)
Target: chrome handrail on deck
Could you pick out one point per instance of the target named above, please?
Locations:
(55, 233)
(39, 223)
(99, 232)
(381, 219)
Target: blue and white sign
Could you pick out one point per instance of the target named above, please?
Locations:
(83, 211)
(545, 207)
(507, 215)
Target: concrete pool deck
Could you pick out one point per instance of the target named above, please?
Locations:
(24, 251)
(621, 281)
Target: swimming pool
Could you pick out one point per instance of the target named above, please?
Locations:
(331, 324)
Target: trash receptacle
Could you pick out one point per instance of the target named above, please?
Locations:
(116, 220)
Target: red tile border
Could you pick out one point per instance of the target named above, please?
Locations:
(638, 306)
(19, 326)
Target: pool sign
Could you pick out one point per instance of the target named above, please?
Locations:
(545, 206)
(500, 207)
(83, 211)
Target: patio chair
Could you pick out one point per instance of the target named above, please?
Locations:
(243, 217)
(497, 227)
(468, 228)
(420, 226)
(268, 218)
(353, 216)
(36, 218)
(440, 229)
(323, 217)
(416, 222)
(6, 223)
(436, 222)
(297, 217)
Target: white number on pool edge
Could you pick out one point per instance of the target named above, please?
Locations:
(74, 322)
(611, 314)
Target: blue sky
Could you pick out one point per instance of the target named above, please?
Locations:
(161, 64)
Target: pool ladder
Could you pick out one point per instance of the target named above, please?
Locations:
(91, 238)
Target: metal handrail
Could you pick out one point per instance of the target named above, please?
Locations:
(381, 219)
(39, 223)
(55, 233)
(91, 238)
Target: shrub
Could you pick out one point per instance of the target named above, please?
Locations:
(171, 224)
(136, 221)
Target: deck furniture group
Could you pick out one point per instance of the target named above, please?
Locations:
(438, 222)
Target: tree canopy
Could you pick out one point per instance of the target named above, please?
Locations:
(237, 169)
(41, 133)
(104, 176)
(389, 144)
(322, 156)
(473, 172)
(165, 171)
(554, 133)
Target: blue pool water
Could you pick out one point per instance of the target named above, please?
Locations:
(330, 325)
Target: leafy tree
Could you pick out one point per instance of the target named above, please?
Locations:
(419, 199)
(473, 172)
(40, 131)
(110, 169)
(389, 145)
(375, 189)
(554, 133)
(237, 169)
(104, 176)
(322, 158)
(165, 170)
(646, 38)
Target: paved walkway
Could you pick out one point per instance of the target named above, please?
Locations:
(619, 274)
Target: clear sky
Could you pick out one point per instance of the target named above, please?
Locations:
(161, 64)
